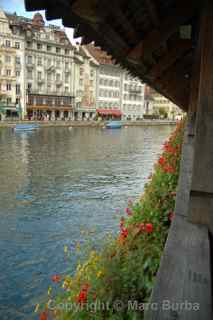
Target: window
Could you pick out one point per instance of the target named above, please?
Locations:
(29, 44)
(7, 59)
(91, 73)
(30, 74)
(29, 87)
(66, 77)
(81, 71)
(8, 43)
(18, 73)
(8, 87)
(17, 45)
(67, 51)
(8, 72)
(18, 89)
(29, 59)
(18, 60)
(49, 48)
(39, 46)
(49, 61)
(66, 89)
(66, 65)
(58, 50)
(39, 75)
(39, 61)
(9, 100)
(58, 77)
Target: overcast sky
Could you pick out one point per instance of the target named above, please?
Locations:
(18, 7)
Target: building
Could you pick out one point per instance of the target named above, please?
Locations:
(86, 71)
(109, 84)
(12, 72)
(163, 107)
(132, 98)
(119, 95)
(49, 71)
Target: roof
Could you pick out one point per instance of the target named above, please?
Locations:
(154, 40)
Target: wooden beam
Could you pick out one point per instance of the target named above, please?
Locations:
(155, 38)
(151, 6)
(201, 197)
(170, 58)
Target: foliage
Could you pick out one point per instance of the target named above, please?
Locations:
(116, 281)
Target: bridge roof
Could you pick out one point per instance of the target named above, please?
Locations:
(154, 39)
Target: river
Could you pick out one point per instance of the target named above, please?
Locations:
(53, 183)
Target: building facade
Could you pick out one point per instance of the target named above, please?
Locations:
(86, 70)
(132, 98)
(12, 71)
(163, 107)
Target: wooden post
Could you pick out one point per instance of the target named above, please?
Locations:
(185, 269)
(201, 195)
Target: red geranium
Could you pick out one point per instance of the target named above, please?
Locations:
(128, 211)
(43, 316)
(56, 278)
(162, 161)
(149, 227)
(82, 297)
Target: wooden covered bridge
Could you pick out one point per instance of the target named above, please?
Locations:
(169, 45)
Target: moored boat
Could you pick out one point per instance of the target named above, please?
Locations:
(26, 127)
(114, 125)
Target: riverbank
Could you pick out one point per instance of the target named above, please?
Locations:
(11, 124)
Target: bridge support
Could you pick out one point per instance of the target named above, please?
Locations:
(183, 287)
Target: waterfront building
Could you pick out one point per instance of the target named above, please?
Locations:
(49, 71)
(119, 95)
(86, 70)
(12, 72)
(163, 107)
(132, 98)
(109, 84)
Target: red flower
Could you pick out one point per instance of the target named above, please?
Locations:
(56, 278)
(82, 297)
(124, 233)
(94, 296)
(149, 227)
(128, 211)
(122, 221)
(162, 161)
(171, 216)
(43, 316)
(169, 169)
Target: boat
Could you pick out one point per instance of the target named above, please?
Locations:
(26, 127)
(114, 125)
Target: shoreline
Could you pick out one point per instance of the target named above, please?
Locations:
(60, 123)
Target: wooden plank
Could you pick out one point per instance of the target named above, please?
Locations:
(183, 285)
(201, 196)
(155, 38)
(186, 166)
(170, 58)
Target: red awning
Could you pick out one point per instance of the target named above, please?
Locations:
(113, 112)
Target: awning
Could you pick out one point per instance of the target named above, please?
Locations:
(113, 112)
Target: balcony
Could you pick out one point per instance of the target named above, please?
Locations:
(133, 89)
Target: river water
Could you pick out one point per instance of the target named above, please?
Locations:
(53, 183)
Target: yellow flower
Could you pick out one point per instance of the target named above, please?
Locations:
(99, 274)
(49, 291)
(65, 249)
(37, 308)
(78, 247)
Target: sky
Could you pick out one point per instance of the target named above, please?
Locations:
(19, 7)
